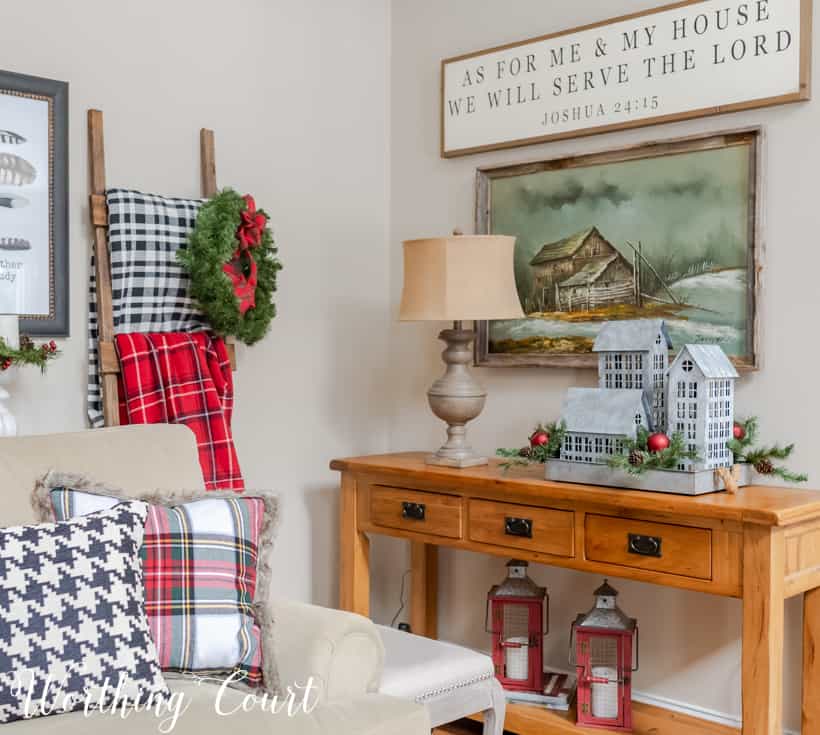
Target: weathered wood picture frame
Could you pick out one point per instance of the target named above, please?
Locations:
(688, 59)
(668, 229)
(34, 203)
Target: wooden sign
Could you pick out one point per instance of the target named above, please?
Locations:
(691, 59)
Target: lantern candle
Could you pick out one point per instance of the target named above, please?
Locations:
(601, 646)
(518, 609)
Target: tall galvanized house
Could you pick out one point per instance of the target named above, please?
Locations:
(635, 354)
(581, 272)
(701, 403)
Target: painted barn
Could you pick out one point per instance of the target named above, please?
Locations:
(581, 272)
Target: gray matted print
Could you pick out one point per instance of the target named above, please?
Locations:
(34, 203)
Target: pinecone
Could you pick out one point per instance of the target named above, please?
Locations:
(525, 452)
(764, 466)
(636, 457)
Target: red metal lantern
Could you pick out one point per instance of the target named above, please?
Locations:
(603, 640)
(519, 611)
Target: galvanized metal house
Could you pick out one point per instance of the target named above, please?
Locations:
(701, 404)
(599, 420)
(635, 354)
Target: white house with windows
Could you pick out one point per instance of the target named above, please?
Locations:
(701, 404)
(599, 420)
(634, 354)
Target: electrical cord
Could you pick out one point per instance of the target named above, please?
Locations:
(402, 601)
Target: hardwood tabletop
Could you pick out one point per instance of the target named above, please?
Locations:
(767, 505)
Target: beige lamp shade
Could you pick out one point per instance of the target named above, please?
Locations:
(459, 278)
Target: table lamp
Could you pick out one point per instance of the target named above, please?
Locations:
(458, 278)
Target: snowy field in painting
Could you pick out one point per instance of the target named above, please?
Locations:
(721, 320)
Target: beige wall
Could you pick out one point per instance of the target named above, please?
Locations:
(689, 646)
(296, 94)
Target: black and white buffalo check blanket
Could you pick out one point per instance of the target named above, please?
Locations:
(149, 285)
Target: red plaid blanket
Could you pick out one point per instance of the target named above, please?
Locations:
(183, 378)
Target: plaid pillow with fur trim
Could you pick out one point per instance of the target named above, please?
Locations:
(206, 574)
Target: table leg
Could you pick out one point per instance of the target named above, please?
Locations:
(763, 621)
(354, 553)
(811, 662)
(424, 589)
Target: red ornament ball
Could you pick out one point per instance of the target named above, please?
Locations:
(738, 432)
(539, 439)
(657, 442)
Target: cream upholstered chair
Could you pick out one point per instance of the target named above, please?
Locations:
(343, 652)
(450, 681)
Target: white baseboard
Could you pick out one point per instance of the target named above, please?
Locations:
(703, 713)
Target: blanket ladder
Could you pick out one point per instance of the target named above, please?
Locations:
(108, 359)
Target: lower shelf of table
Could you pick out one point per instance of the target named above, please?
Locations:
(525, 719)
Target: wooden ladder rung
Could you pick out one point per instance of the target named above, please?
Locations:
(99, 210)
(109, 360)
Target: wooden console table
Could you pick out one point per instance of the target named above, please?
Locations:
(761, 545)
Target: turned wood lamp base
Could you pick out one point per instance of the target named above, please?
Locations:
(456, 398)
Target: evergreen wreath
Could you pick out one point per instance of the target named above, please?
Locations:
(231, 259)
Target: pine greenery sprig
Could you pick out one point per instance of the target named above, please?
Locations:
(761, 457)
(556, 431)
(739, 446)
(539, 453)
(27, 354)
(666, 459)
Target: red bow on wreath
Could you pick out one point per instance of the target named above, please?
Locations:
(249, 235)
(251, 226)
(244, 286)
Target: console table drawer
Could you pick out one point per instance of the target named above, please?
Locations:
(438, 515)
(659, 547)
(545, 530)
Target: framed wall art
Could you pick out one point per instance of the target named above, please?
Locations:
(689, 59)
(662, 230)
(34, 203)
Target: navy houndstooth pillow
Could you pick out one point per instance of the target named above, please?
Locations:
(72, 617)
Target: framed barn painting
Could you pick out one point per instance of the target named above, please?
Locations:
(34, 203)
(663, 230)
